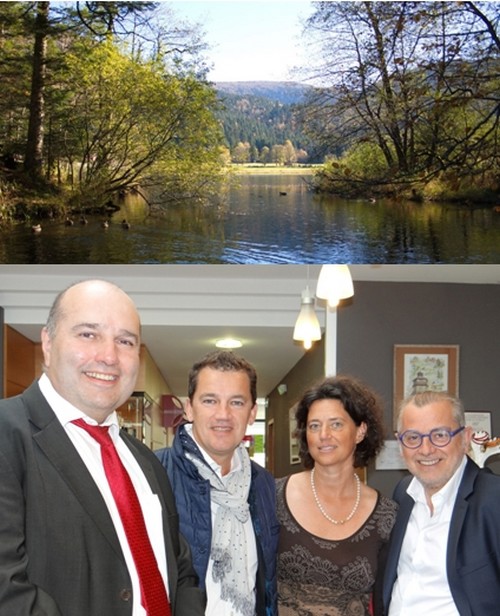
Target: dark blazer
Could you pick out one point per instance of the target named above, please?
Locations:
(473, 552)
(59, 552)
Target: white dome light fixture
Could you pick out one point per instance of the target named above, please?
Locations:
(334, 284)
(228, 343)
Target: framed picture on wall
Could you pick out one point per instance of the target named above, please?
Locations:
(421, 367)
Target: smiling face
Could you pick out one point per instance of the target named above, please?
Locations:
(433, 466)
(221, 408)
(331, 433)
(92, 356)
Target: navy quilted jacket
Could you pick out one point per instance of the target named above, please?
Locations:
(192, 496)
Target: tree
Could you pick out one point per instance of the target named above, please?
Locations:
(289, 154)
(302, 156)
(114, 112)
(241, 153)
(100, 18)
(265, 155)
(131, 123)
(278, 154)
(110, 18)
(15, 76)
(418, 80)
(34, 144)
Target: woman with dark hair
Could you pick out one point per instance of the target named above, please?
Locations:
(332, 524)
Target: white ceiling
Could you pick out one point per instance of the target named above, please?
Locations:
(185, 308)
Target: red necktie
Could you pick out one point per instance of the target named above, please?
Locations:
(153, 595)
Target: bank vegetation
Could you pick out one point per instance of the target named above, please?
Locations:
(407, 98)
(97, 99)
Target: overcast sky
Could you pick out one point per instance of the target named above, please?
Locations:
(249, 39)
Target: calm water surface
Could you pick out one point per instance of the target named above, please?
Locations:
(259, 225)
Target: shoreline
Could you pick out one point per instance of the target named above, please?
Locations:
(253, 169)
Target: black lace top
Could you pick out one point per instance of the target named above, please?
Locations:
(321, 577)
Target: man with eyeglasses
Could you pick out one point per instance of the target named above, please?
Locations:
(444, 553)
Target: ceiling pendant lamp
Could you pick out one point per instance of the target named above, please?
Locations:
(228, 343)
(334, 284)
(307, 328)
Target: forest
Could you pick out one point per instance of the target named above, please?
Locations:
(260, 123)
(101, 98)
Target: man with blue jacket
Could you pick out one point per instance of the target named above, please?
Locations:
(226, 502)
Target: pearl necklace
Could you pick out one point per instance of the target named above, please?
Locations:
(320, 506)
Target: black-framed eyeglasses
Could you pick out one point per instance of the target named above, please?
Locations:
(439, 437)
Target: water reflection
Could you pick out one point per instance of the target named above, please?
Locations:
(257, 224)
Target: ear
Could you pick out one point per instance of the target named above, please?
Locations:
(361, 432)
(46, 345)
(468, 433)
(253, 415)
(188, 410)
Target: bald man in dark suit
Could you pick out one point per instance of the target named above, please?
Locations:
(63, 549)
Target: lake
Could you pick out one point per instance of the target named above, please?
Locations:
(259, 224)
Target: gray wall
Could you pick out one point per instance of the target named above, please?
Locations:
(2, 371)
(307, 370)
(384, 314)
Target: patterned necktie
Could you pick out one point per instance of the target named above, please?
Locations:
(153, 595)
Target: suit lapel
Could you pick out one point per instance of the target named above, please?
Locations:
(55, 444)
(143, 462)
(461, 505)
(456, 523)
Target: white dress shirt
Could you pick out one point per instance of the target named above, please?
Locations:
(422, 584)
(90, 452)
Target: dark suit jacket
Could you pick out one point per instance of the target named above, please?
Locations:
(59, 552)
(473, 552)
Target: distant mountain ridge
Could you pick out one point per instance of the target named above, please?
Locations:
(284, 92)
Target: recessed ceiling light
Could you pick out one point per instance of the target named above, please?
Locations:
(228, 343)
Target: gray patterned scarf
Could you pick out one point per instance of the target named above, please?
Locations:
(229, 544)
